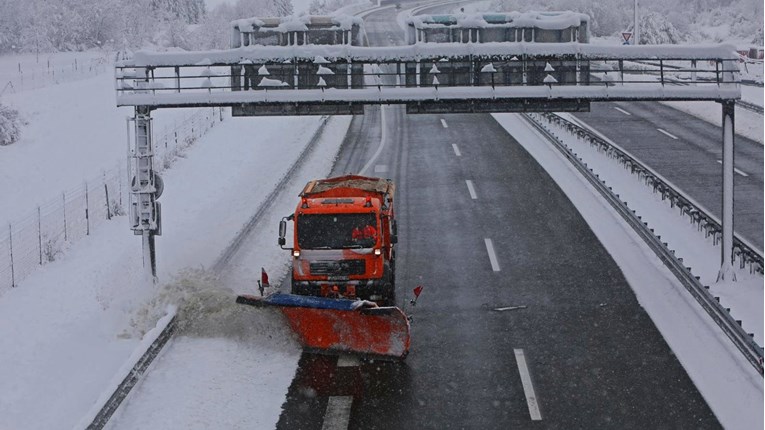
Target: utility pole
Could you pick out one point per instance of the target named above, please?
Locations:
(635, 31)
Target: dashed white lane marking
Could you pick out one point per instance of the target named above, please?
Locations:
(668, 134)
(338, 413)
(443, 122)
(347, 361)
(622, 110)
(456, 150)
(492, 255)
(471, 189)
(528, 387)
(381, 168)
(744, 174)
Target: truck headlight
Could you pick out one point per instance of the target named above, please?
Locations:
(296, 253)
(378, 251)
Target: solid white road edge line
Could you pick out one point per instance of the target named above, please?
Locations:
(338, 413)
(622, 110)
(383, 138)
(492, 255)
(744, 174)
(456, 150)
(471, 189)
(528, 387)
(443, 122)
(668, 134)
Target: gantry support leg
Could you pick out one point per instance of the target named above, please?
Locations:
(726, 265)
(145, 210)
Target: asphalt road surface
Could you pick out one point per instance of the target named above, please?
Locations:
(482, 227)
(688, 154)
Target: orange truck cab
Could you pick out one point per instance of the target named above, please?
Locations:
(344, 237)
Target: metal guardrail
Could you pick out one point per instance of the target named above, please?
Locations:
(127, 384)
(721, 316)
(750, 106)
(744, 251)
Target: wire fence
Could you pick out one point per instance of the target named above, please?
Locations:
(53, 69)
(46, 232)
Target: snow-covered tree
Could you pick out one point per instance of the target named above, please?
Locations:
(701, 20)
(214, 29)
(188, 11)
(10, 125)
(324, 7)
(655, 29)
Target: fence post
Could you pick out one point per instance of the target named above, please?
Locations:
(108, 209)
(10, 241)
(39, 233)
(87, 215)
(63, 196)
(119, 179)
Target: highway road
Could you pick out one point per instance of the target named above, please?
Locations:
(483, 227)
(688, 152)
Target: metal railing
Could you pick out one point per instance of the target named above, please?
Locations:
(417, 74)
(746, 253)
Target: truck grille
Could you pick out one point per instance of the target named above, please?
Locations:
(338, 267)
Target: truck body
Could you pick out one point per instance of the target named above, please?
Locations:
(343, 239)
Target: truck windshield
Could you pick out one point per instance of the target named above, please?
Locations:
(337, 231)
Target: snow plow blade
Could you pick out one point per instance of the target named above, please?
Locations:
(341, 325)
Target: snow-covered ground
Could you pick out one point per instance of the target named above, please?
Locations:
(67, 329)
(74, 132)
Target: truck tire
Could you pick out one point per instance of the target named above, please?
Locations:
(388, 287)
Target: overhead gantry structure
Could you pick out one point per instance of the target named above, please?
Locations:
(426, 78)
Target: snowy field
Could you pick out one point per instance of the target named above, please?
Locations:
(28, 71)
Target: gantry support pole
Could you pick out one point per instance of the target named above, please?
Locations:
(144, 207)
(726, 265)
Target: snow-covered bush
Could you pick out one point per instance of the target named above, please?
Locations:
(758, 39)
(655, 29)
(325, 7)
(10, 125)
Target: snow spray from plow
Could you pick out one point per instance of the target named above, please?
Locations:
(341, 325)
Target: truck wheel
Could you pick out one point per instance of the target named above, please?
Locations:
(388, 287)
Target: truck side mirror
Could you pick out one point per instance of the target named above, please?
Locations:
(394, 233)
(282, 232)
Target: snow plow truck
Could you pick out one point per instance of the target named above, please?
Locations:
(343, 269)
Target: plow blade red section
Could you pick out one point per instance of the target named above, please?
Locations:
(341, 325)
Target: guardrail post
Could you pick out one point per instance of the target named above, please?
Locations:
(10, 246)
(726, 266)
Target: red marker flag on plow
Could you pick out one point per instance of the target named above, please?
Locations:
(263, 283)
(417, 291)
